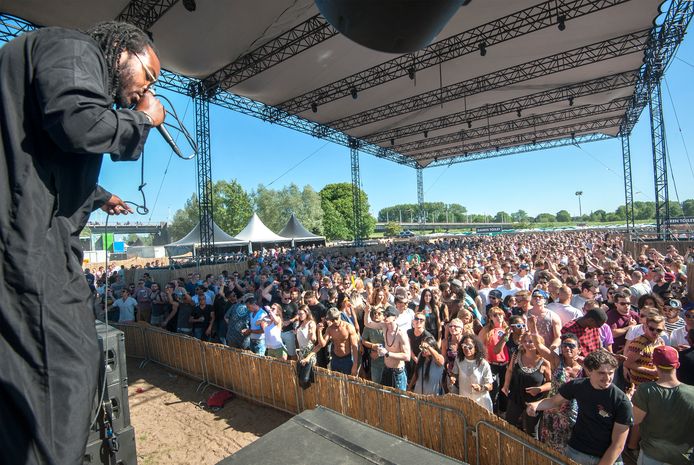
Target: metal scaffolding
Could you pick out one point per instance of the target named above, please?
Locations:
(628, 189)
(204, 171)
(581, 56)
(144, 13)
(497, 31)
(358, 225)
(662, 199)
(420, 195)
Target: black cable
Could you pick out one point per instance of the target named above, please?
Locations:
(180, 128)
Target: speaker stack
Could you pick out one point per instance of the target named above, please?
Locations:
(113, 419)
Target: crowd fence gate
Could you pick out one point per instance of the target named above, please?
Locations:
(451, 425)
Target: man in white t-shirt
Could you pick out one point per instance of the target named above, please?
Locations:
(523, 280)
(507, 288)
(562, 307)
(638, 287)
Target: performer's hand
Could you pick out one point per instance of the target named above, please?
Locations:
(149, 104)
(115, 206)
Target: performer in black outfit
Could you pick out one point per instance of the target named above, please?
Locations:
(58, 88)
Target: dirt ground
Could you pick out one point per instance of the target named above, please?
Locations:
(171, 429)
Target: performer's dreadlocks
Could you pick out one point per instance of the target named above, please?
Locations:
(113, 38)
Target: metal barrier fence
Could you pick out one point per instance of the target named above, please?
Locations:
(441, 423)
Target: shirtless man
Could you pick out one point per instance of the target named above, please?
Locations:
(345, 349)
(396, 349)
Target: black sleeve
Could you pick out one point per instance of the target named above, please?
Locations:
(623, 413)
(77, 112)
(568, 390)
(101, 196)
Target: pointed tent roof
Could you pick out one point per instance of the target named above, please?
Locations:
(296, 231)
(256, 231)
(193, 237)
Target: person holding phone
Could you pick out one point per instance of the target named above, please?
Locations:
(491, 334)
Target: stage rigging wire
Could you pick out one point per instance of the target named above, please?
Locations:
(437, 179)
(166, 170)
(679, 128)
(295, 166)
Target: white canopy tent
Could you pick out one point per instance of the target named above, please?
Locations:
(256, 232)
(295, 231)
(192, 239)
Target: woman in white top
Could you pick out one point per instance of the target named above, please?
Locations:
(305, 332)
(473, 372)
(273, 333)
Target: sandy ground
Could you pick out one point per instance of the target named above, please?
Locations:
(171, 429)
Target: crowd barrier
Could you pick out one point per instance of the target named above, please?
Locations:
(451, 425)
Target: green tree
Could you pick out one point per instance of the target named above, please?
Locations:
(338, 212)
(502, 217)
(688, 207)
(675, 209)
(598, 215)
(275, 207)
(520, 216)
(133, 240)
(644, 210)
(563, 216)
(232, 209)
(392, 229)
(545, 218)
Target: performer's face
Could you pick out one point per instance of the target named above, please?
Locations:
(138, 72)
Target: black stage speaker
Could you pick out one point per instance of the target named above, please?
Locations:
(113, 369)
(323, 436)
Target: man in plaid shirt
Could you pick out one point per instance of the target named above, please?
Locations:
(586, 330)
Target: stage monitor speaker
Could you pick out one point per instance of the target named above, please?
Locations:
(320, 436)
(98, 453)
(112, 345)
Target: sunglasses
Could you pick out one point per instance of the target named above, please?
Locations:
(656, 330)
(518, 325)
(420, 319)
(149, 74)
(569, 345)
(622, 303)
(468, 346)
(689, 316)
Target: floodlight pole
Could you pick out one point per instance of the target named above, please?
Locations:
(356, 192)
(662, 203)
(204, 170)
(420, 193)
(628, 187)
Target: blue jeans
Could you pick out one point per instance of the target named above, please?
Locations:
(585, 459)
(198, 333)
(342, 364)
(257, 346)
(394, 377)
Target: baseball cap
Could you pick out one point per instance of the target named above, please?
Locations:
(541, 293)
(524, 266)
(495, 293)
(666, 357)
(456, 282)
(246, 297)
(674, 303)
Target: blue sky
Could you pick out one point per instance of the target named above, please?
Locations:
(253, 152)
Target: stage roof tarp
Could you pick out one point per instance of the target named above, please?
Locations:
(256, 231)
(295, 231)
(502, 76)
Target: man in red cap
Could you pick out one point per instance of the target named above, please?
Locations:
(665, 410)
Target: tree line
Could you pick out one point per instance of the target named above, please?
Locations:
(328, 212)
(438, 212)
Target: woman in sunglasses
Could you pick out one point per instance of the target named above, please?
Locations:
(493, 332)
(556, 424)
(472, 371)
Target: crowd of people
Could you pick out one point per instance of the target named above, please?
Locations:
(565, 335)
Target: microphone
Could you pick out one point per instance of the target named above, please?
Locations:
(169, 140)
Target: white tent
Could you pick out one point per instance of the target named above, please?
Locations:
(256, 232)
(192, 239)
(296, 231)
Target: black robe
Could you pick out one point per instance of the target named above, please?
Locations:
(56, 121)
